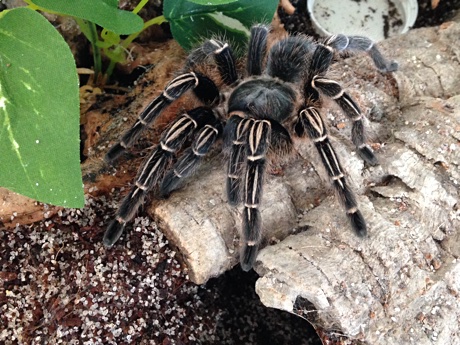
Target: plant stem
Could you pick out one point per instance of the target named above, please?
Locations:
(96, 50)
(110, 68)
(157, 20)
(139, 6)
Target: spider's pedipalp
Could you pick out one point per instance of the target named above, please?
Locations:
(333, 90)
(257, 49)
(343, 43)
(313, 125)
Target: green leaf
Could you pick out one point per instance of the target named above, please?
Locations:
(191, 23)
(112, 3)
(39, 111)
(212, 2)
(102, 12)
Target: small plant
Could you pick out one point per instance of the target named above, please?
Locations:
(39, 98)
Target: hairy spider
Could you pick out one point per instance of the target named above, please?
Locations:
(279, 96)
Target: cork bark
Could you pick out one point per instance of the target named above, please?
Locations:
(401, 284)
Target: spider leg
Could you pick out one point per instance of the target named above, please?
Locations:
(223, 57)
(333, 90)
(191, 158)
(154, 167)
(262, 135)
(257, 49)
(225, 61)
(248, 141)
(235, 138)
(310, 121)
(257, 147)
(320, 62)
(204, 88)
(343, 43)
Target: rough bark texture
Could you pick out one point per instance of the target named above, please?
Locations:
(400, 285)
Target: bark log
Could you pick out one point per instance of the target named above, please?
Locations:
(400, 285)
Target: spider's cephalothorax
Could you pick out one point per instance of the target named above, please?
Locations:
(278, 98)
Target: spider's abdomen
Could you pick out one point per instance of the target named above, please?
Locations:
(263, 98)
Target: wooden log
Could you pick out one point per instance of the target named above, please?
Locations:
(401, 284)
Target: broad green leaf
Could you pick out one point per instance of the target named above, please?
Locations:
(39, 111)
(212, 2)
(113, 3)
(191, 23)
(102, 12)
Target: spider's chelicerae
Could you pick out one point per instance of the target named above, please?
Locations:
(257, 112)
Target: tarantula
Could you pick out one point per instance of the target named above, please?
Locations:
(279, 96)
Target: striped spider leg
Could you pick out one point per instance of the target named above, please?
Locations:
(311, 122)
(199, 122)
(320, 84)
(248, 142)
(202, 125)
(175, 88)
(342, 43)
(203, 87)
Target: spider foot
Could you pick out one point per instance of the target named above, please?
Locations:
(113, 233)
(248, 256)
(358, 223)
(391, 66)
(368, 156)
(114, 152)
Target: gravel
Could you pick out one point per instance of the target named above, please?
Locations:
(59, 285)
